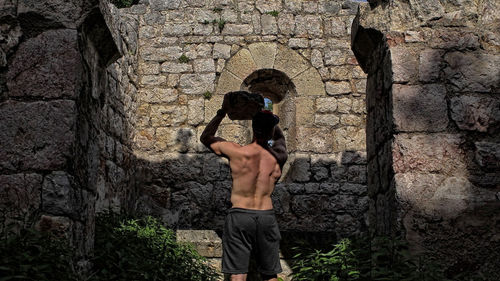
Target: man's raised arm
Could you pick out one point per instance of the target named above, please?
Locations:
(279, 147)
(208, 136)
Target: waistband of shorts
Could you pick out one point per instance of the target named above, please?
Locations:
(251, 211)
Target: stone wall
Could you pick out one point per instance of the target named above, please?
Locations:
(64, 123)
(294, 52)
(433, 126)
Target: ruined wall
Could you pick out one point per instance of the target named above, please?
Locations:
(433, 126)
(295, 52)
(64, 141)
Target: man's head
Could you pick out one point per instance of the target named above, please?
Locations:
(263, 125)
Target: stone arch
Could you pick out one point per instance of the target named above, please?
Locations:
(293, 76)
(267, 55)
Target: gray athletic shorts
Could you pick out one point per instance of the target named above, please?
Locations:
(251, 232)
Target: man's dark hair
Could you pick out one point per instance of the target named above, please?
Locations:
(263, 124)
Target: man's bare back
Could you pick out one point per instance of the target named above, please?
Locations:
(255, 172)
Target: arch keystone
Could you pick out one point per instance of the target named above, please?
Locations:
(263, 54)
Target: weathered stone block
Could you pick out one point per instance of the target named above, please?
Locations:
(336, 57)
(269, 25)
(161, 54)
(196, 111)
(197, 84)
(420, 108)
(472, 72)
(206, 242)
(162, 5)
(431, 61)
(175, 67)
(298, 43)
(156, 95)
(263, 54)
(290, 62)
(404, 65)
(308, 26)
(438, 153)
(349, 138)
(47, 66)
(337, 88)
(314, 139)
(475, 113)
(309, 83)
(204, 65)
(167, 115)
(487, 155)
(237, 29)
(299, 168)
(329, 120)
(36, 135)
(241, 64)
(57, 194)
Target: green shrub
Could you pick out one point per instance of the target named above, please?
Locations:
(32, 255)
(380, 258)
(183, 59)
(273, 13)
(142, 249)
(207, 95)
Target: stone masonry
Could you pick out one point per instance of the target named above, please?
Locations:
(297, 53)
(433, 141)
(102, 108)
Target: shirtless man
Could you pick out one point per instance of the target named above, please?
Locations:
(250, 226)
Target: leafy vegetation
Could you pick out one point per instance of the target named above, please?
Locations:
(207, 95)
(183, 59)
(362, 259)
(125, 249)
(142, 249)
(32, 255)
(273, 13)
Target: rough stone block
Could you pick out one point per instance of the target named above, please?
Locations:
(337, 88)
(420, 108)
(36, 135)
(196, 111)
(161, 54)
(487, 155)
(290, 62)
(241, 64)
(329, 120)
(156, 95)
(237, 29)
(263, 54)
(197, 84)
(308, 26)
(304, 107)
(429, 153)
(47, 66)
(206, 242)
(299, 168)
(314, 139)
(204, 65)
(404, 65)
(431, 61)
(175, 67)
(269, 25)
(309, 83)
(472, 72)
(349, 138)
(475, 113)
(58, 196)
(167, 115)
